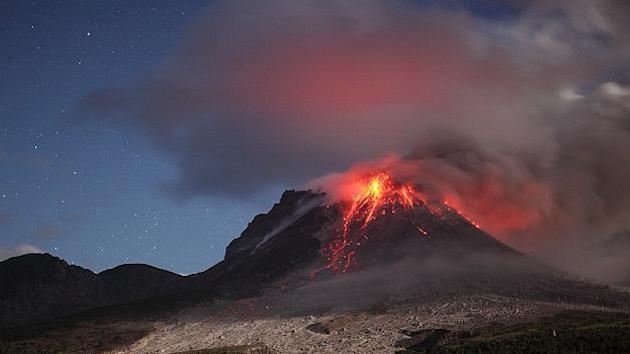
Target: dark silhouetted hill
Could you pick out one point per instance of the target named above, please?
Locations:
(39, 287)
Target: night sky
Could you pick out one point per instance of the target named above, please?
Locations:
(153, 132)
(90, 192)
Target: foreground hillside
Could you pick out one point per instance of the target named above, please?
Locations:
(455, 325)
(571, 332)
(40, 287)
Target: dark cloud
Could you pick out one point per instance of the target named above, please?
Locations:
(515, 121)
(604, 258)
(280, 92)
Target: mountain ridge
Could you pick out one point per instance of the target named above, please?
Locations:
(39, 287)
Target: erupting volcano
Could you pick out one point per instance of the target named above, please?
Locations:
(360, 222)
(375, 193)
(382, 245)
(374, 196)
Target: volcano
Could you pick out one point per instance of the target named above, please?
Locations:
(385, 218)
(384, 256)
(384, 240)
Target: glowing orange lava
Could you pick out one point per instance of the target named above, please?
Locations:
(369, 198)
(372, 195)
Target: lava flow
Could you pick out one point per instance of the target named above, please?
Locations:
(374, 196)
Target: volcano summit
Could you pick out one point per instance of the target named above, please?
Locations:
(387, 234)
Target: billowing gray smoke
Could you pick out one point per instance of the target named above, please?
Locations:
(522, 121)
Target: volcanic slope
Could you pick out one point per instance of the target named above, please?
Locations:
(386, 243)
(367, 274)
(372, 274)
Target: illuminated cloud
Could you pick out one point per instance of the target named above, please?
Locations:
(516, 120)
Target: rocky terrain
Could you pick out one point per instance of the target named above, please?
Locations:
(306, 277)
(379, 330)
(240, 327)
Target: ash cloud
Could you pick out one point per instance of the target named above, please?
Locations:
(522, 122)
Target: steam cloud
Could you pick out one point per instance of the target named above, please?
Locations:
(523, 123)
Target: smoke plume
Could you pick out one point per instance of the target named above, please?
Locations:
(521, 122)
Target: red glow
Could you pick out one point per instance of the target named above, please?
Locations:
(366, 197)
(368, 202)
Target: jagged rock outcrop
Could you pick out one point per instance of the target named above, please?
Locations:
(286, 238)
